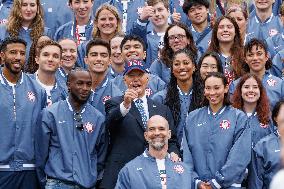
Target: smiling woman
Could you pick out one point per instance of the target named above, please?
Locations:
(177, 36)
(107, 22)
(184, 90)
(226, 41)
(222, 136)
(26, 22)
(250, 96)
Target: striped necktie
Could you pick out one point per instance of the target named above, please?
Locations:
(139, 105)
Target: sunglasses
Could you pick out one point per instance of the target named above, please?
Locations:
(79, 123)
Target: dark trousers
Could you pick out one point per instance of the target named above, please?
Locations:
(18, 180)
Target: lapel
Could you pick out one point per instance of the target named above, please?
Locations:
(136, 114)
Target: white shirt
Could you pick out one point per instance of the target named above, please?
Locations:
(124, 110)
(162, 171)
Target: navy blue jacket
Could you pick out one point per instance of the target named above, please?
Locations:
(127, 136)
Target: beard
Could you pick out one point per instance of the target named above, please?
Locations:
(9, 67)
(158, 145)
(78, 99)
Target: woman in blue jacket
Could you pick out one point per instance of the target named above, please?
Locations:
(183, 92)
(250, 96)
(216, 139)
(266, 153)
(177, 37)
(26, 22)
(226, 40)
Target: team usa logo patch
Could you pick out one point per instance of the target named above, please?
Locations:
(271, 82)
(31, 96)
(3, 21)
(273, 32)
(89, 127)
(148, 92)
(225, 124)
(105, 98)
(263, 125)
(179, 169)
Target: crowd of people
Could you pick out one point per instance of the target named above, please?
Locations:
(141, 94)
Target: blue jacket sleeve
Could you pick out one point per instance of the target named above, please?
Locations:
(156, 68)
(81, 55)
(239, 155)
(101, 149)
(42, 138)
(123, 179)
(187, 156)
(255, 180)
(277, 65)
(139, 28)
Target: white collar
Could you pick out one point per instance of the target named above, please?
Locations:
(266, 21)
(143, 98)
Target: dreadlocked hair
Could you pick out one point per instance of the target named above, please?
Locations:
(172, 99)
(15, 21)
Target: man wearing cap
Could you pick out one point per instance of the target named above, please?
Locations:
(133, 47)
(153, 168)
(126, 118)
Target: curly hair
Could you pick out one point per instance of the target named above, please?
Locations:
(258, 44)
(236, 50)
(15, 21)
(172, 97)
(167, 52)
(262, 107)
(114, 11)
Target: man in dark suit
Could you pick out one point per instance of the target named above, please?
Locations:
(126, 118)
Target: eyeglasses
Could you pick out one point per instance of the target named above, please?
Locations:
(78, 119)
(173, 37)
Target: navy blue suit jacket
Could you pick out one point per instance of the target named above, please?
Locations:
(127, 136)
